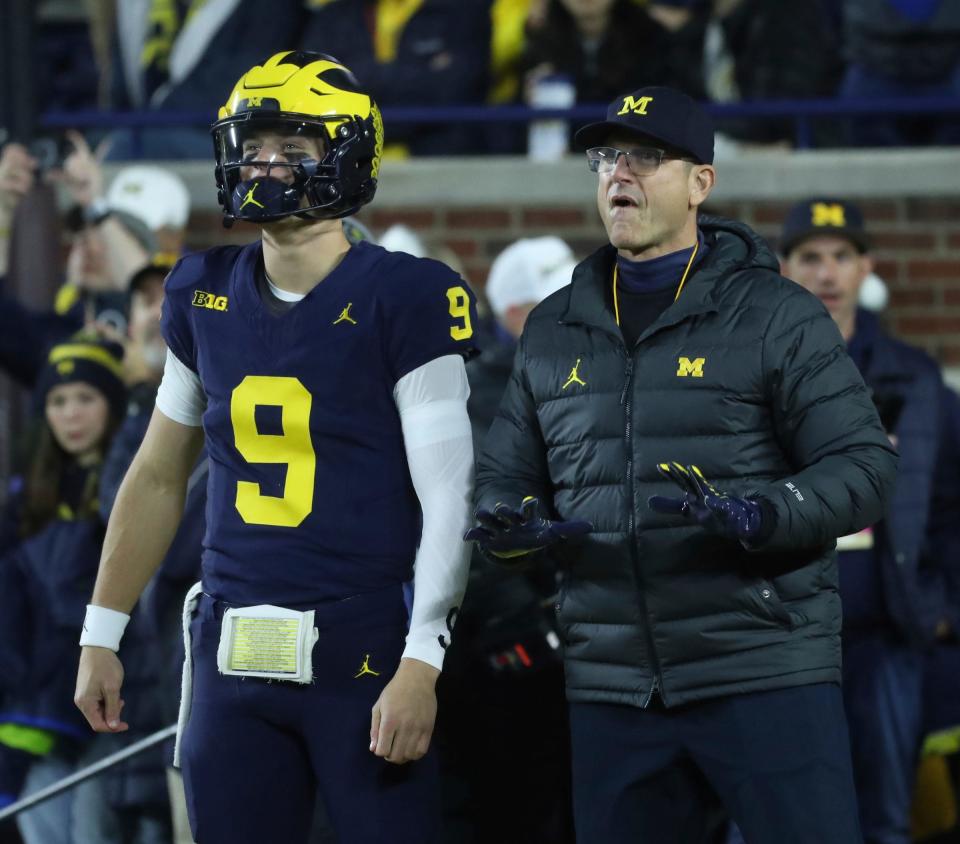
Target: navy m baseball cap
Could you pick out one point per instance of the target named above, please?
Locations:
(661, 114)
(823, 216)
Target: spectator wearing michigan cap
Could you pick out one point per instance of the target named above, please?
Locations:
(894, 581)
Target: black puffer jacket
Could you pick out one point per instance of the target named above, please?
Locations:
(745, 376)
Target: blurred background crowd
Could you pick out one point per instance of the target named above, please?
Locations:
(175, 58)
(98, 127)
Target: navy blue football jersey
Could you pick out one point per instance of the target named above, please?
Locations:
(309, 495)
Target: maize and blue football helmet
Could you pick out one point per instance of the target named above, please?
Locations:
(315, 107)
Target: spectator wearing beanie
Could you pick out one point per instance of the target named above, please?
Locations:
(49, 550)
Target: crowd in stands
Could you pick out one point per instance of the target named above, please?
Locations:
(178, 57)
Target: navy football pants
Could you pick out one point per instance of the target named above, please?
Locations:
(779, 761)
(255, 752)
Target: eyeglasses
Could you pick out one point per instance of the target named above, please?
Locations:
(642, 161)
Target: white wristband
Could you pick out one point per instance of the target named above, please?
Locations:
(103, 627)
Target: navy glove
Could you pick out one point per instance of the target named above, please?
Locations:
(508, 533)
(736, 518)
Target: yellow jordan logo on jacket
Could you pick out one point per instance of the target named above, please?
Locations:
(345, 315)
(366, 669)
(574, 377)
(693, 367)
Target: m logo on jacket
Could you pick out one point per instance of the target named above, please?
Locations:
(690, 367)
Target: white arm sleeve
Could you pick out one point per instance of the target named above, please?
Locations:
(432, 400)
(181, 396)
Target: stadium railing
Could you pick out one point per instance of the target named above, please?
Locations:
(801, 112)
(83, 774)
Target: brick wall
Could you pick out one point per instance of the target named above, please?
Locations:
(917, 247)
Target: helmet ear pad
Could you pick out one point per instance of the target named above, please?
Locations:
(350, 161)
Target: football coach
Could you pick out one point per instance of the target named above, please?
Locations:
(684, 426)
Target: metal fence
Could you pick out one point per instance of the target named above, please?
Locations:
(90, 771)
(802, 113)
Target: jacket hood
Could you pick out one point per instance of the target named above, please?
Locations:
(735, 246)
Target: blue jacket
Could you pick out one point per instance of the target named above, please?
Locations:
(922, 520)
(45, 583)
(47, 580)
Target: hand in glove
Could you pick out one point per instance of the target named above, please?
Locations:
(508, 533)
(736, 518)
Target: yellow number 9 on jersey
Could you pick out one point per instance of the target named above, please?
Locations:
(460, 309)
(292, 447)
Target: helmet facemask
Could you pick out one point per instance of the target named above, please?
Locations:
(275, 165)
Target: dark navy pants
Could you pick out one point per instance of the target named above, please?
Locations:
(883, 694)
(256, 752)
(779, 761)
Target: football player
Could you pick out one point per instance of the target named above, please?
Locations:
(328, 382)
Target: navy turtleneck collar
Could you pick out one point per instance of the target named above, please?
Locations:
(657, 273)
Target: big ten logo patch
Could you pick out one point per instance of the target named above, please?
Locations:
(208, 300)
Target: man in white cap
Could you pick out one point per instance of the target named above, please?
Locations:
(523, 275)
(141, 217)
(158, 197)
(107, 246)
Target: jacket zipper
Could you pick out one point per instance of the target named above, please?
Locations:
(626, 399)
